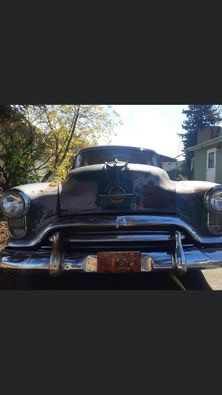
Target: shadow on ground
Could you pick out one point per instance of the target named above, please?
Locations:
(150, 281)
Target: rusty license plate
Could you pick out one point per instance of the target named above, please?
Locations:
(119, 262)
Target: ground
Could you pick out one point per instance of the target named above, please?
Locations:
(209, 279)
(214, 278)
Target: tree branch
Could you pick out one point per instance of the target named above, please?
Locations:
(72, 131)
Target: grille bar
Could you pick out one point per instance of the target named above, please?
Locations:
(123, 223)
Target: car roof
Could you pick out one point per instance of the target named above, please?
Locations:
(116, 146)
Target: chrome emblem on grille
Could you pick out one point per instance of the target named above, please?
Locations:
(117, 194)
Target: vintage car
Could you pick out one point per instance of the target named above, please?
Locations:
(117, 211)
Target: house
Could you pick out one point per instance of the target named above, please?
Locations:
(167, 163)
(207, 155)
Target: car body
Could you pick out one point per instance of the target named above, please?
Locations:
(116, 211)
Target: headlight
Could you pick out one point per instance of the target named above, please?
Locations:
(14, 203)
(213, 199)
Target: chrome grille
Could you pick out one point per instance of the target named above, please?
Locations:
(143, 240)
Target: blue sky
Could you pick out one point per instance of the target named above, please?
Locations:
(150, 126)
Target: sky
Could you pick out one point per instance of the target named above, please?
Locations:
(150, 126)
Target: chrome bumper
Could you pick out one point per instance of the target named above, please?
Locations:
(58, 260)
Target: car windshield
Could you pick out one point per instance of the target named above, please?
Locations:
(100, 156)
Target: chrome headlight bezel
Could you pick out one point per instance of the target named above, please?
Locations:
(209, 196)
(23, 196)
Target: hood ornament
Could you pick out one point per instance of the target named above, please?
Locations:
(116, 163)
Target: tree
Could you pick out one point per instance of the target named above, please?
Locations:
(198, 116)
(66, 129)
(38, 143)
(20, 146)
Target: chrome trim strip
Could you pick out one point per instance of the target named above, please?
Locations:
(104, 238)
(117, 222)
(116, 195)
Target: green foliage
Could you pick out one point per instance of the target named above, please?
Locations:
(20, 146)
(198, 117)
(38, 143)
(66, 129)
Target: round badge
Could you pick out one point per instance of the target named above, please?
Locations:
(116, 193)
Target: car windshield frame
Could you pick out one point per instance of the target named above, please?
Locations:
(98, 156)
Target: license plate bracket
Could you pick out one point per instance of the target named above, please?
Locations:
(119, 262)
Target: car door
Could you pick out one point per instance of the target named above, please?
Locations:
(211, 165)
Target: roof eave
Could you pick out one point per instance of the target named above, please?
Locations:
(205, 144)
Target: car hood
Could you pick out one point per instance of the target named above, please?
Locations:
(121, 188)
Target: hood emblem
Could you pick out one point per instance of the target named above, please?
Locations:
(117, 194)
